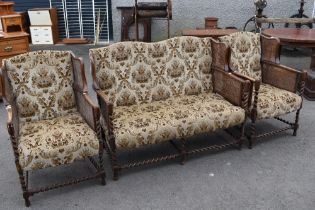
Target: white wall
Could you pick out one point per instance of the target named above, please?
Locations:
(191, 14)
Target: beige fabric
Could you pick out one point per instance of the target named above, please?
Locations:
(174, 118)
(42, 83)
(245, 53)
(49, 143)
(134, 72)
(274, 102)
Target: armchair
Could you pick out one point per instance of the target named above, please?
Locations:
(51, 119)
(277, 89)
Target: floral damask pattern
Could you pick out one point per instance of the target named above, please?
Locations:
(42, 83)
(50, 143)
(174, 118)
(273, 102)
(245, 53)
(134, 73)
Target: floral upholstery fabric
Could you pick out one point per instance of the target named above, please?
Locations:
(134, 72)
(42, 84)
(49, 143)
(245, 53)
(274, 102)
(174, 118)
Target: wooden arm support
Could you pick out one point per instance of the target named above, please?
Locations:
(234, 89)
(282, 76)
(220, 55)
(86, 107)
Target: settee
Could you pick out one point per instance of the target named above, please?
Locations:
(151, 93)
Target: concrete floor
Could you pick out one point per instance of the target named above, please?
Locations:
(279, 173)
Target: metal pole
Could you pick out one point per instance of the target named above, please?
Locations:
(314, 10)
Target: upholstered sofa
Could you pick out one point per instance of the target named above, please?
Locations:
(277, 89)
(150, 93)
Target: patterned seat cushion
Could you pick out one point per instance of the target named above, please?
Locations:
(174, 118)
(49, 143)
(274, 102)
(245, 53)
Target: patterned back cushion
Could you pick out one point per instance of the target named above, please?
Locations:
(42, 84)
(245, 53)
(135, 72)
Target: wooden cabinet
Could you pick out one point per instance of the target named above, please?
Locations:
(12, 44)
(44, 25)
(12, 23)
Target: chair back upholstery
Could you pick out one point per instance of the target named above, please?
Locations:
(40, 84)
(136, 72)
(245, 53)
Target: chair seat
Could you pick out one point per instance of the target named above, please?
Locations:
(54, 142)
(174, 118)
(273, 102)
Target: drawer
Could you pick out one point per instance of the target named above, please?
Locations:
(13, 46)
(39, 17)
(41, 35)
(12, 21)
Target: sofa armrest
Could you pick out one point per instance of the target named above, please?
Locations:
(234, 89)
(283, 77)
(106, 108)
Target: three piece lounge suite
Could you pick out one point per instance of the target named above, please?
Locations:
(148, 93)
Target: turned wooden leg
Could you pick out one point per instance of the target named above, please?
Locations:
(183, 151)
(116, 173)
(252, 137)
(313, 60)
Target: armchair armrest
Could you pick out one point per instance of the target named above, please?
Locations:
(12, 125)
(282, 76)
(89, 110)
(220, 55)
(234, 89)
(86, 107)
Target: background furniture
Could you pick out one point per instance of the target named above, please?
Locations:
(211, 22)
(299, 38)
(128, 20)
(213, 33)
(277, 89)
(6, 7)
(12, 23)
(52, 121)
(44, 25)
(153, 10)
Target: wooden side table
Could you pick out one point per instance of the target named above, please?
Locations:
(12, 44)
(213, 33)
(300, 38)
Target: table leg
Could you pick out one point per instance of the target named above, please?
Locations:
(313, 60)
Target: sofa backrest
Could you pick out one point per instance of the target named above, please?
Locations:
(245, 53)
(40, 84)
(136, 72)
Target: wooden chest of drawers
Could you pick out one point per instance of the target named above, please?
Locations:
(42, 35)
(12, 44)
